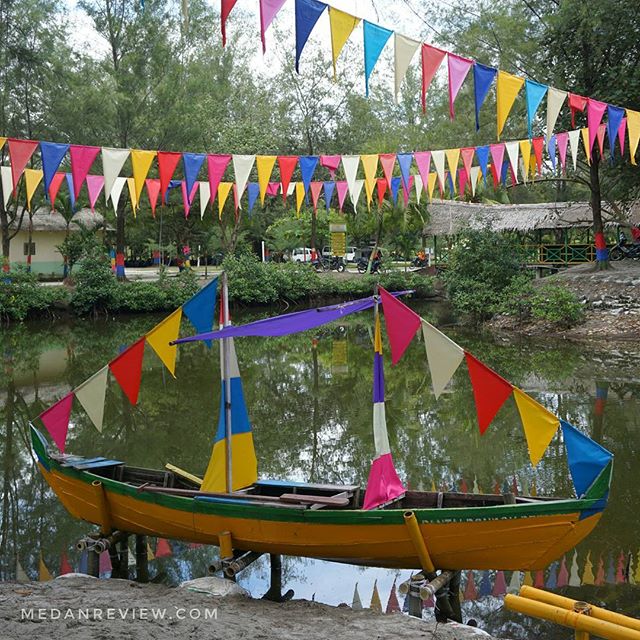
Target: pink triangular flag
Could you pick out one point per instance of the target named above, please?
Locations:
(497, 156)
(595, 111)
(467, 159)
(153, 191)
(470, 591)
(562, 139)
(463, 178)
(105, 563)
(82, 158)
(341, 187)
(401, 323)
(316, 189)
(602, 129)
(56, 420)
(407, 191)
(187, 202)
(216, 165)
(387, 160)
(268, 10)
(163, 548)
(563, 574)
(94, 187)
(458, 70)
(273, 188)
(331, 163)
(383, 483)
(622, 130)
(423, 162)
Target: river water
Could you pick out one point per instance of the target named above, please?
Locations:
(309, 400)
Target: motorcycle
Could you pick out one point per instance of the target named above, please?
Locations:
(419, 262)
(333, 263)
(623, 250)
(376, 266)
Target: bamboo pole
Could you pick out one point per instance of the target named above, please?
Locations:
(418, 541)
(571, 619)
(227, 382)
(567, 603)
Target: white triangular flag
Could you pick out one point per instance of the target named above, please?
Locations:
(574, 575)
(112, 162)
(574, 141)
(242, 166)
(417, 181)
(438, 163)
(350, 166)
(356, 603)
(475, 175)
(7, 184)
(404, 50)
(444, 357)
(118, 185)
(555, 100)
(91, 395)
(476, 488)
(21, 574)
(512, 153)
(131, 559)
(290, 189)
(204, 189)
(355, 195)
(516, 583)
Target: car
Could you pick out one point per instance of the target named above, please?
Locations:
(349, 256)
(302, 254)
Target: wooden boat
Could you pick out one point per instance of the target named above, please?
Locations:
(331, 522)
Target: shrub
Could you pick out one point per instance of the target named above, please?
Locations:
(556, 306)
(21, 296)
(95, 286)
(515, 299)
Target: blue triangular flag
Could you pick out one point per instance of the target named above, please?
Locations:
(505, 172)
(482, 153)
(485, 585)
(52, 154)
(375, 37)
(395, 185)
(552, 580)
(483, 77)
(615, 115)
(83, 565)
(611, 571)
(450, 185)
(253, 191)
(307, 14)
(586, 458)
(534, 92)
(553, 141)
(329, 188)
(173, 184)
(72, 197)
(404, 162)
(308, 165)
(191, 163)
(200, 309)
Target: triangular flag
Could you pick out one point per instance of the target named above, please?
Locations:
(331, 163)
(376, 604)
(467, 158)
(563, 574)
(387, 160)
(587, 575)
(499, 585)
(370, 166)
(112, 162)
(329, 188)
(538, 146)
(555, 100)
(200, 309)
(131, 185)
(375, 38)
(470, 591)
(350, 167)
(527, 581)
(534, 92)
(453, 156)
(342, 25)
(419, 187)
(82, 158)
(497, 154)
(404, 162)
(216, 166)
(443, 355)
(187, 198)
(163, 548)
(242, 166)
(395, 185)
(622, 131)
(381, 188)
(515, 583)
(525, 152)
(307, 14)
(116, 191)
(224, 188)
(490, 391)
(341, 187)
(32, 178)
(308, 166)
(52, 155)
(191, 162)
(104, 563)
(225, 10)
(508, 88)
(602, 129)
(299, 196)
(94, 187)
(563, 140)
(595, 111)
(355, 195)
(44, 575)
(161, 335)
(264, 165)
(585, 143)
(512, 153)
(539, 424)
(91, 394)
(403, 51)
(141, 163)
(268, 11)
(614, 120)
(56, 420)
(20, 152)
(153, 191)
(2, 141)
(432, 184)
(458, 70)
(286, 164)
(633, 127)
(483, 77)
(574, 577)
(7, 187)
(316, 190)
(576, 103)
(167, 163)
(356, 603)
(475, 176)
(423, 162)
(65, 565)
(393, 606)
(150, 555)
(127, 370)
(21, 574)
(431, 61)
(401, 323)
(438, 163)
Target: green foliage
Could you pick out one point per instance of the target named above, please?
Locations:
(480, 267)
(21, 296)
(95, 287)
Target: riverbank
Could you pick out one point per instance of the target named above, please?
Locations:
(124, 609)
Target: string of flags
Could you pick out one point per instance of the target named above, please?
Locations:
(508, 86)
(455, 171)
(126, 367)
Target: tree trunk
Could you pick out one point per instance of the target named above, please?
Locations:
(30, 240)
(120, 244)
(314, 224)
(602, 253)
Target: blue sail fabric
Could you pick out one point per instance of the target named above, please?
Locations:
(52, 154)
(253, 191)
(200, 310)
(534, 93)
(404, 162)
(307, 14)
(191, 163)
(614, 120)
(482, 153)
(308, 166)
(587, 459)
(483, 78)
(375, 37)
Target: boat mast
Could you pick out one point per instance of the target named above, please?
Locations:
(227, 381)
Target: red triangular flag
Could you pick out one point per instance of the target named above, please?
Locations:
(82, 158)
(393, 606)
(153, 189)
(563, 574)
(56, 420)
(381, 186)
(489, 390)
(127, 369)
(316, 189)
(54, 187)
(65, 565)
(470, 591)
(538, 146)
(539, 579)
(167, 163)
(401, 323)
(225, 10)
(387, 160)
(500, 585)
(105, 563)
(287, 164)
(163, 548)
(20, 152)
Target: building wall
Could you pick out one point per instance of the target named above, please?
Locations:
(47, 259)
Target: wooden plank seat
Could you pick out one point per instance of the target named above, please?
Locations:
(339, 500)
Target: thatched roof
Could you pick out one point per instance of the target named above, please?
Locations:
(46, 220)
(452, 217)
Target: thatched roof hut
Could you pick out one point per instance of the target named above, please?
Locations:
(46, 220)
(452, 217)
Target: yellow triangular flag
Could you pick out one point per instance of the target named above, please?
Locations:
(533, 167)
(342, 24)
(453, 155)
(587, 575)
(637, 573)
(370, 166)
(131, 185)
(585, 143)
(44, 575)
(633, 127)
(508, 88)
(91, 395)
(224, 188)
(150, 555)
(264, 165)
(141, 163)
(376, 604)
(433, 176)
(2, 141)
(299, 196)
(433, 486)
(539, 424)
(161, 335)
(525, 152)
(527, 580)
(32, 178)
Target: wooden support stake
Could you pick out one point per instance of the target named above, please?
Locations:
(142, 561)
(93, 563)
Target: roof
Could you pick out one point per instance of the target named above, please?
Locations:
(452, 217)
(46, 220)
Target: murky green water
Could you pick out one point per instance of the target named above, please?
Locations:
(311, 410)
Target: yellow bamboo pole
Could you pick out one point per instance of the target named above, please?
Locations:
(226, 547)
(567, 603)
(570, 619)
(418, 541)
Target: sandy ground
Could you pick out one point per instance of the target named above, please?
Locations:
(124, 610)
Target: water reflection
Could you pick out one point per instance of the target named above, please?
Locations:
(309, 398)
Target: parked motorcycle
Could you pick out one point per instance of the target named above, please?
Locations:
(376, 266)
(624, 250)
(332, 263)
(419, 262)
